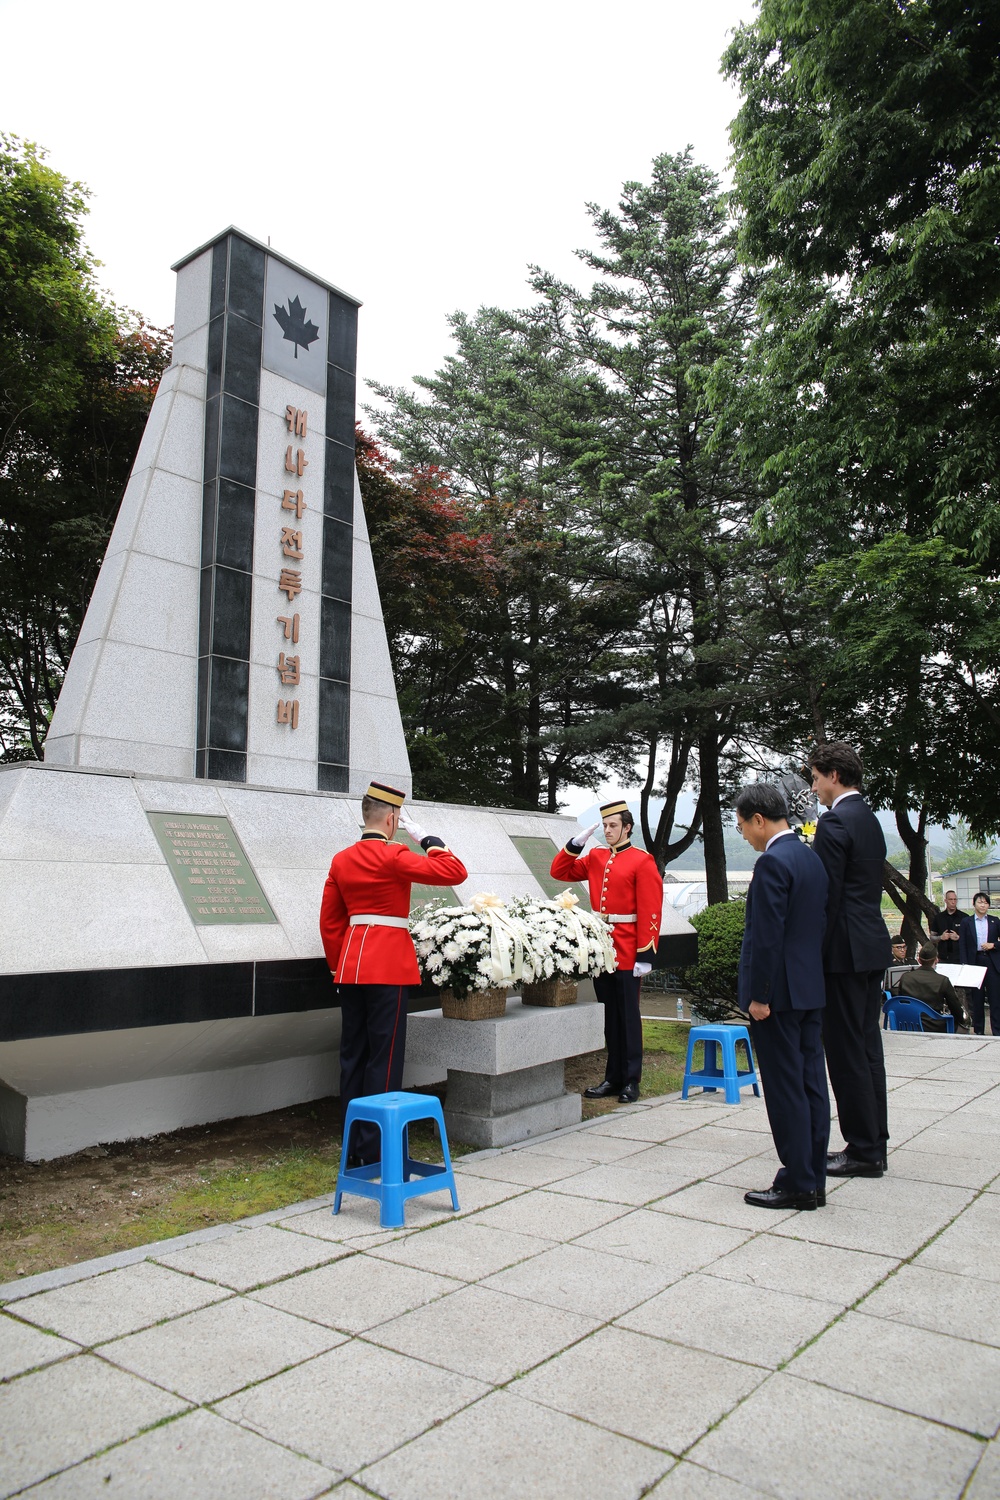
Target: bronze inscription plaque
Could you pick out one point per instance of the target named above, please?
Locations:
(211, 869)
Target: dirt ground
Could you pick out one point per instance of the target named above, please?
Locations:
(114, 1196)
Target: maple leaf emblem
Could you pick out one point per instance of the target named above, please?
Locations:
(294, 327)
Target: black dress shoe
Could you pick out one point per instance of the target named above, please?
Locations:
(601, 1090)
(774, 1197)
(629, 1094)
(843, 1165)
(820, 1199)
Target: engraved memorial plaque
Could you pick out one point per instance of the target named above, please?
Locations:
(211, 870)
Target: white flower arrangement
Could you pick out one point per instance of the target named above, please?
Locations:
(490, 944)
(481, 946)
(565, 940)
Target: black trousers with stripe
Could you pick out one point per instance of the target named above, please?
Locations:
(372, 1046)
(619, 994)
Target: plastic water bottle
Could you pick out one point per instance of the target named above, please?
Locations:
(680, 1008)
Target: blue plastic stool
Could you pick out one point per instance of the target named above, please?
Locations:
(714, 1037)
(392, 1113)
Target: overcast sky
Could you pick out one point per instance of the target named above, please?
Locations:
(419, 156)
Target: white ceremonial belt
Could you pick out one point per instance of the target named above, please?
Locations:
(375, 919)
(616, 916)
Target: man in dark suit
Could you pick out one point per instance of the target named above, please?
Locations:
(979, 943)
(856, 952)
(781, 990)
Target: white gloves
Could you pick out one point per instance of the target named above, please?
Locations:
(641, 969)
(417, 834)
(582, 835)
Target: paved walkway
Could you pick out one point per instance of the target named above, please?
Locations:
(605, 1318)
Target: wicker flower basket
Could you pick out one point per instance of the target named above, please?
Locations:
(476, 1005)
(549, 992)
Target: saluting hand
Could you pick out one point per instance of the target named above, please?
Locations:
(417, 834)
(581, 835)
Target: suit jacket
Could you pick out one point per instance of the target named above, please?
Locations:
(781, 960)
(622, 882)
(850, 842)
(374, 877)
(968, 943)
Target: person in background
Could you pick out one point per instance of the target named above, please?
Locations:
(943, 928)
(626, 889)
(925, 984)
(900, 963)
(781, 990)
(364, 927)
(850, 842)
(979, 943)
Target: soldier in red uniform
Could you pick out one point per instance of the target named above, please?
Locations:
(627, 889)
(363, 924)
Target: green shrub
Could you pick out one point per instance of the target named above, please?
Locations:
(713, 979)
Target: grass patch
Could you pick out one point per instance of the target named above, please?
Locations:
(116, 1197)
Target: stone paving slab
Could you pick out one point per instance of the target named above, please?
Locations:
(91, 1312)
(968, 1247)
(252, 1258)
(944, 1379)
(584, 1281)
(505, 1446)
(754, 1324)
(484, 1334)
(959, 1306)
(353, 1405)
(209, 1354)
(717, 1203)
(826, 1272)
(62, 1414)
(954, 1171)
(525, 1167)
(464, 1250)
(687, 1481)
(648, 1332)
(618, 1182)
(356, 1294)
(986, 1480)
(795, 1440)
(198, 1457)
(550, 1215)
(24, 1348)
(675, 1245)
(644, 1388)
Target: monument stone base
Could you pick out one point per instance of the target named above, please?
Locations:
(506, 1076)
(122, 1015)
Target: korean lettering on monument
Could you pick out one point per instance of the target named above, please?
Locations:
(289, 666)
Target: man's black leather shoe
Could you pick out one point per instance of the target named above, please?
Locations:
(601, 1090)
(820, 1199)
(773, 1197)
(629, 1094)
(843, 1165)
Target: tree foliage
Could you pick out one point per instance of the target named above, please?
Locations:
(77, 377)
(866, 157)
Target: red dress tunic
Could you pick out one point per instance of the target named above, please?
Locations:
(374, 877)
(622, 882)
